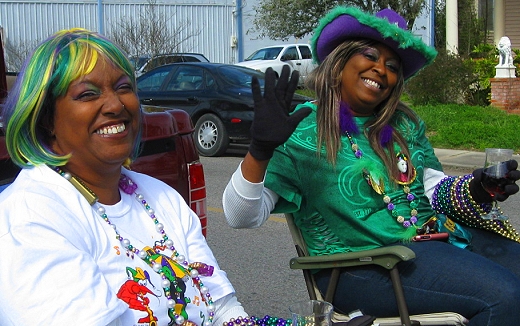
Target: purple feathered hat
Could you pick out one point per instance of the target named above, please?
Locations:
(386, 26)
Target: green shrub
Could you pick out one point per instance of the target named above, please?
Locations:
(482, 60)
(447, 80)
(516, 60)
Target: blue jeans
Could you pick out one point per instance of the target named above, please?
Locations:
(483, 285)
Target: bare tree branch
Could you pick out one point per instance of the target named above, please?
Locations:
(15, 54)
(152, 33)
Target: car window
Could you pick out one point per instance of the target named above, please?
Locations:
(143, 64)
(210, 81)
(189, 58)
(240, 76)
(290, 54)
(161, 61)
(186, 78)
(138, 62)
(306, 52)
(265, 54)
(154, 80)
(168, 59)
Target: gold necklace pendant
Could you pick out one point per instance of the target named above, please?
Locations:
(377, 184)
(404, 181)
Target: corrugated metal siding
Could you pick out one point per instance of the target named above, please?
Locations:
(33, 22)
(211, 24)
(512, 22)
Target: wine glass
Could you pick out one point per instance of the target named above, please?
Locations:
(494, 178)
(311, 313)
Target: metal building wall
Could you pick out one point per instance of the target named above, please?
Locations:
(29, 22)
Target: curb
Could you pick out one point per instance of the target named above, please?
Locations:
(461, 160)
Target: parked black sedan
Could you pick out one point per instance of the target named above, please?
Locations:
(217, 96)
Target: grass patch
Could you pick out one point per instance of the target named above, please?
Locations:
(467, 127)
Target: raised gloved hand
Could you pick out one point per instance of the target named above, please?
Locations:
(480, 195)
(273, 124)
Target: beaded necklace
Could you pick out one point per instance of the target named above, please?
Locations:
(152, 256)
(379, 187)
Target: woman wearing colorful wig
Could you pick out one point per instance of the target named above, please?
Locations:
(357, 172)
(85, 240)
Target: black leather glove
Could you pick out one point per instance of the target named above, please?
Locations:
(273, 124)
(480, 195)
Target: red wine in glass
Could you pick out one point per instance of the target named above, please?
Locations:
(494, 178)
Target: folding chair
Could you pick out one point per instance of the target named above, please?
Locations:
(386, 257)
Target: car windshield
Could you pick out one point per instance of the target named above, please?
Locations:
(240, 76)
(265, 54)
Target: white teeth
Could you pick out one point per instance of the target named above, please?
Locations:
(372, 83)
(111, 129)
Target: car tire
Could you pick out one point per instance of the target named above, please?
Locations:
(211, 137)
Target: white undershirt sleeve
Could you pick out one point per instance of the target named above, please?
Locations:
(431, 178)
(247, 204)
(226, 308)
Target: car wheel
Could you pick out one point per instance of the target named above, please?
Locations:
(211, 137)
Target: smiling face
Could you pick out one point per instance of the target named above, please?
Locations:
(97, 120)
(368, 78)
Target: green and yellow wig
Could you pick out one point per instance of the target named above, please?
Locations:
(45, 76)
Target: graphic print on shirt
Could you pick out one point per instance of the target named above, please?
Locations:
(135, 293)
(137, 289)
(177, 275)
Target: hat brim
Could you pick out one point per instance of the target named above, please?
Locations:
(343, 23)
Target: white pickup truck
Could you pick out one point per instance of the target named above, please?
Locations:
(296, 56)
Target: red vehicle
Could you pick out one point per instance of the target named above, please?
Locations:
(169, 153)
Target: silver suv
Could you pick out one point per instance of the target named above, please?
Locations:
(146, 63)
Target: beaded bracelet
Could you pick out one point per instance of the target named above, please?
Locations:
(452, 197)
(250, 321)
(466, 200)
(441, 201)
(460, 196)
